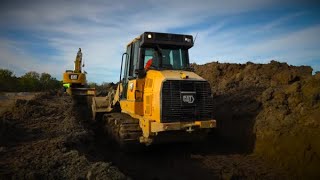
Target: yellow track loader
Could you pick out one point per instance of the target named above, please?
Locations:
(74, 81)
(157, 101)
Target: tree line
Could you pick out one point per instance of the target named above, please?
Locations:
(29, 82)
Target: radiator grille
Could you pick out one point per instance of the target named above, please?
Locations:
(173, 109)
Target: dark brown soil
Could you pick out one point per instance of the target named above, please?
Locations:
(268, 128)
(271, 110)
(51, 138)
(41, 138)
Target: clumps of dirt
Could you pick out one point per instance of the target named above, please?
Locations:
(290, 123)
(44, 138)
(103, 171)
(6, 128)
(237, 166)
(270, 109)
(105, 89)
(227, 77)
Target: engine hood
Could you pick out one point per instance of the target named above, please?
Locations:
(179, 75)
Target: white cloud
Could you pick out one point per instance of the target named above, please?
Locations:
(15, 58)
(103, 28)
(296, 47)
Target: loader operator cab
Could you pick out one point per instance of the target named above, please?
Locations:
(163, 103)
(167, 52)
(166, 58)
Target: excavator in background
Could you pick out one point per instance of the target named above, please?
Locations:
(74, 81)
(164, 102)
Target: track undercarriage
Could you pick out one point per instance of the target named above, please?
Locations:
(124, 129)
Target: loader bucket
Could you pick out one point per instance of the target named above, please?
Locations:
(83, 91)
(100, 105)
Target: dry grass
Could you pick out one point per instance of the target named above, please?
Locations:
(7, 100)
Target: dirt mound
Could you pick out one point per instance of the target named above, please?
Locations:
(270, 109)
(266, 113)
(42, 139)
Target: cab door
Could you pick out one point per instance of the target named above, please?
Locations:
(131, 99)
(126, 74)
(130, 66)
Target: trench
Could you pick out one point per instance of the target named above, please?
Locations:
(164, 161)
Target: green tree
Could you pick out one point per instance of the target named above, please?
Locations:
(45, 81)
(7, 80)
(92, 84)
(30, 81)
(5, 73)
(54, 84)
(32, 75)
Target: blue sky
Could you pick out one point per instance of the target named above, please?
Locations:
(44, 36)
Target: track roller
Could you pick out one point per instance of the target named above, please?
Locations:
(124, 129)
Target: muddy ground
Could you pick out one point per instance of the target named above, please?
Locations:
(268, 117)
(49, 137)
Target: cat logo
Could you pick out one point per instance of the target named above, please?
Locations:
(188, 99)
(74, 76)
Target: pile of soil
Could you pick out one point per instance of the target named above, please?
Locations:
(268, 128)
(42, 139)
(272, 110)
